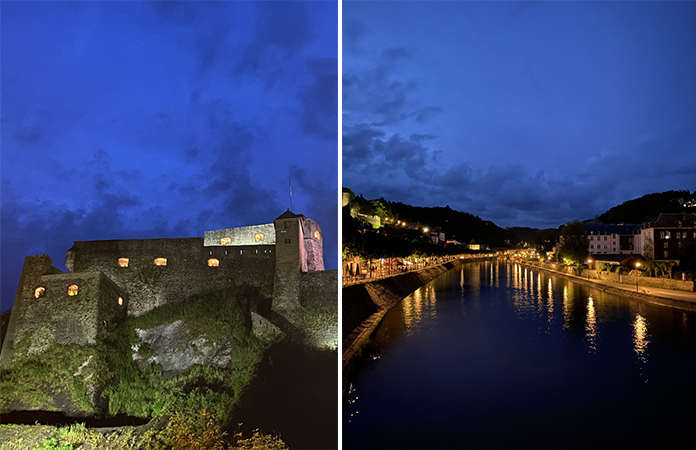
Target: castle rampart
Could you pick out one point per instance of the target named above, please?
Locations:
(155, 272)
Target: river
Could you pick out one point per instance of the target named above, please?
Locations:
(491, 356)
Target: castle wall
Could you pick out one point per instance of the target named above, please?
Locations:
(186, 272)
(250, 235)
(34, 267)
(313, 245)
(319, 299)
(56, 316)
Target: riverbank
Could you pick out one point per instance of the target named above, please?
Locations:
(365, 304)
(659, 296)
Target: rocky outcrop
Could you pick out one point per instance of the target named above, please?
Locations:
(171, 347)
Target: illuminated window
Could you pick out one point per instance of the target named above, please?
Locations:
(39, 291)
(317, 235)
(212, 262)
(72, 290)
(662, 234)
(160, 261)
(666, 253)
(667, 234)
(258, 237)
(123, 262)
(225, 241)
(665, 245)
(120, 301)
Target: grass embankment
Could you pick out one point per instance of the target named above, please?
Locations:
(190, 406)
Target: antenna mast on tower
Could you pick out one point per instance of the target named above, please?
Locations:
(290, 187)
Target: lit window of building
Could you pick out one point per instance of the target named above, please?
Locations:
(160, 261)
(258, 237)
(213, 262)
(225, 241)
(666, 253)
(317, 235)
(72, 290)
(120, 301)
(39, 291)
(123, 262)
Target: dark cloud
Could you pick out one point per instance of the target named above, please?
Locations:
(280, 26)
(286, 25)
(320, 99)
(178, 12)
(382, 93)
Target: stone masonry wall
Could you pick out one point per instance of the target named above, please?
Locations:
(313, 245)
(665, 283)
(34, 267)
(289, 263)
(242, 235)
(186, 273)
(57, 317)
(362, 300)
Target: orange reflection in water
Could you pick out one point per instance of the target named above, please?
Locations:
(591, 326)
(423, 301)
(641, 338)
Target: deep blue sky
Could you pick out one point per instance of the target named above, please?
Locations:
(524, 113)
(163, 119)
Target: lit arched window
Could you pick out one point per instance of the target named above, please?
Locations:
(39, 291)
(123, 262)
(317, 234)
(258, 237)
(213, 262)
(120, 301)
(225, 241)
(72, 290)
(160, 261)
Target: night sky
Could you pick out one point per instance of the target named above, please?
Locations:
(131, 120)
(523, 113)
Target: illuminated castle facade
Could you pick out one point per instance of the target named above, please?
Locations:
(108, 280)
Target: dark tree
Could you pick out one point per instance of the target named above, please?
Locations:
(574, 243)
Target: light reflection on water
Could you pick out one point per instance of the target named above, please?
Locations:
(641, 341)
(416, 307)
(461, 355)
(591, 328)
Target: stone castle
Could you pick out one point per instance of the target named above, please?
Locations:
(108, 280)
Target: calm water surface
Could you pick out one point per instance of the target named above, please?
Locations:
(494, 356)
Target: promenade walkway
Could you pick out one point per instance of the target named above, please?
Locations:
(666, 297)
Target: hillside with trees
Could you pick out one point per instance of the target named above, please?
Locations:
(648, 207)
(393, 240)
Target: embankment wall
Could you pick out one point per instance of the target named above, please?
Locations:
(360, 301)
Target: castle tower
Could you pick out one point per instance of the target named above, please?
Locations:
(290, 260)
(52, 307)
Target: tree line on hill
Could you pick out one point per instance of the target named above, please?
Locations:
(391, 241)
